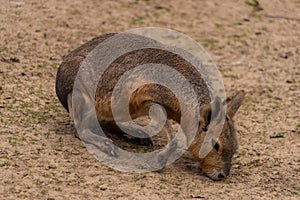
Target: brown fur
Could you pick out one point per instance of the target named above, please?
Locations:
(216, 162)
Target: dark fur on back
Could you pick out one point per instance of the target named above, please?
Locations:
(68, 69)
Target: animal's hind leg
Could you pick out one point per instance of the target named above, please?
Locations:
(91, 134)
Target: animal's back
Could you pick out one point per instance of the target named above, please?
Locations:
(68, 70)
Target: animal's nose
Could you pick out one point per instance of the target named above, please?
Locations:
(218, 176)
(221, 175)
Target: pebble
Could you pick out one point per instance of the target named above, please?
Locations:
(17, 4)
(103, 187)
(286, 55)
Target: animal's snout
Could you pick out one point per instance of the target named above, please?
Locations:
(218, 176)
(221, 176)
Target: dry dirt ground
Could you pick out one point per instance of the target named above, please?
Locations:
(256, 48)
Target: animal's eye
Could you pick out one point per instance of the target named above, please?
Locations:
(215, 144)
(204, 128)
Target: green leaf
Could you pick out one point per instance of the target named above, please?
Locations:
(253, 3)
(277, 135)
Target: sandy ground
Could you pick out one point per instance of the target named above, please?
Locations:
(256, 50)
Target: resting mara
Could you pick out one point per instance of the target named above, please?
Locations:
(217, 163)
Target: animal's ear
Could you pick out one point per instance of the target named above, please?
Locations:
(209, 112)
(234, 103)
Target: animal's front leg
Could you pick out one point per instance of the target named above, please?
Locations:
(164, 155)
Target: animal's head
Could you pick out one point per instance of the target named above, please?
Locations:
(216, 163)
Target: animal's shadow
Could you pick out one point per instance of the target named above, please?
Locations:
(185, 163)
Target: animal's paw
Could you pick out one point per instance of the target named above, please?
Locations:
(99, 143)
(110, 149)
